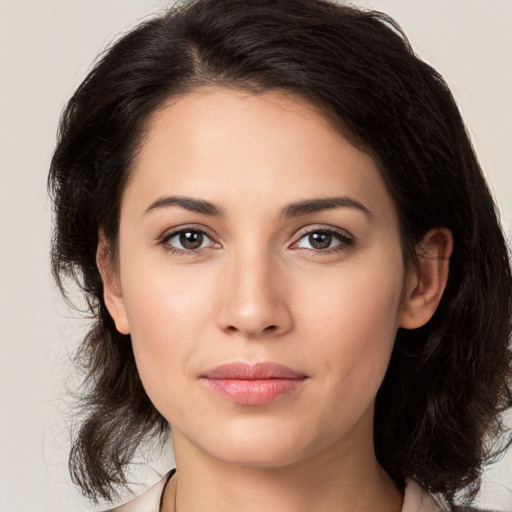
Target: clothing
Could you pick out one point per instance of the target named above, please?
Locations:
(415, 499)
(149, 501)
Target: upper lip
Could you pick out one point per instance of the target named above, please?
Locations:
(252, 371)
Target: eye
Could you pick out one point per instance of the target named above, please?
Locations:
(324, 240)
(186, 240)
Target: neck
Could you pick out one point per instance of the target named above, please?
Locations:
(337, 479)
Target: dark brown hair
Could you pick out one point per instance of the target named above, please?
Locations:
(447, 381)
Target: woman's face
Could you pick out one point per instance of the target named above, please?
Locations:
(260, 277)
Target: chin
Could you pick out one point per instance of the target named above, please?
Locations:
(261, 444)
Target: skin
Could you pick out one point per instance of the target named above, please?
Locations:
(258, 290)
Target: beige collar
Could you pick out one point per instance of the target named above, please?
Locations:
(416, 499)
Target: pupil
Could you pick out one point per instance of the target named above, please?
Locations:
(320, 240)
(191, 239)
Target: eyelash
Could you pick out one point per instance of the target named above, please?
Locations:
(346, 241)
(164, 241)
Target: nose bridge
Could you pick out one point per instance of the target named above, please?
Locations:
(254, 302)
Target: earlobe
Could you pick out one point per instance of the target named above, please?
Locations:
(428, 280)
(111, 287)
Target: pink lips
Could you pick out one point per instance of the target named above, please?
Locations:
(253, 384)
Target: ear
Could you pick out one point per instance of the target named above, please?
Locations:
(426, 283)
(111, 286)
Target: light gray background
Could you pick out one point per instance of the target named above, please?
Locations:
(46, 47)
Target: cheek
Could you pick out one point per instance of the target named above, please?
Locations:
(352, 314)
(361, 296)
(165, 299)
(169, 312)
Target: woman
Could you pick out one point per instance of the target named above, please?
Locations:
(293, 262)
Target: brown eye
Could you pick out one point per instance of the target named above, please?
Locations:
(320, 240)
(191, 239)
(324, 241)
(187, 240)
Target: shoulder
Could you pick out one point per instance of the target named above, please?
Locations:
(149, 501)
(417, 499)
(471, 509)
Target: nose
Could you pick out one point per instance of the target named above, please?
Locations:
(255, 296)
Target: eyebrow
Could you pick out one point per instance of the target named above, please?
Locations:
(292, 210)
(187, 203)
(323, 203)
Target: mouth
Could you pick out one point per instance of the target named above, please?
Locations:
(253, 384)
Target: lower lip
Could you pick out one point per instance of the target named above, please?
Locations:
(253, 392)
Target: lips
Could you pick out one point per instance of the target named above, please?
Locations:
(253, 384)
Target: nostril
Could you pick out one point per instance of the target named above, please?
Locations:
(270, 328)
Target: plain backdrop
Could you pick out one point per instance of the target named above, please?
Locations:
(46, 48)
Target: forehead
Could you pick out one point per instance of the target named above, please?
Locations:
(218, 143)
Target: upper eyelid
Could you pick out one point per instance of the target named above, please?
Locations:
(171, 232)
(329, 229)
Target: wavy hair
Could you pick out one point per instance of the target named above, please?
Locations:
(438, 409)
